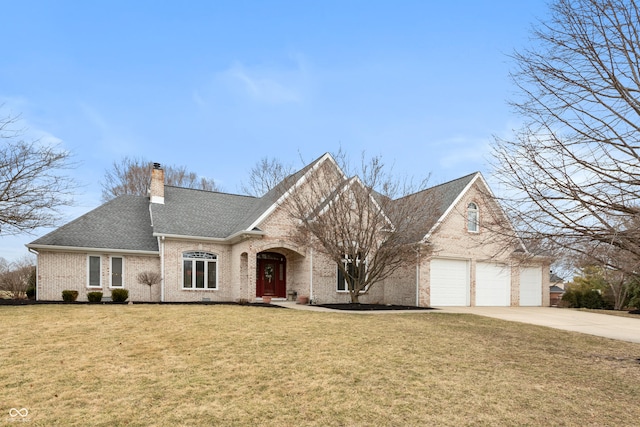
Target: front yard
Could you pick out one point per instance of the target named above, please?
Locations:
(142, 365)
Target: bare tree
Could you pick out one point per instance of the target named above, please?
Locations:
(133, 176)
(572, 172)
(32, 184)
(616, 282)
(148, 278)
(264, 176)
(18, 277)
(361, 222)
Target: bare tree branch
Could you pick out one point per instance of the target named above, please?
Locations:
(133, 176)
(361, 222)
(572, 172)
(264, 176)
(32, 184)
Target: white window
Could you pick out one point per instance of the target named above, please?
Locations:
(472, 218)
(117, 272)
(199, 270)
(356, 268)
(93, 267)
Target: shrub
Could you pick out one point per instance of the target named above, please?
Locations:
(69, 296)
(592, 299)
(583, 298)
(571, 298)
(119, 295)
(634, 295)
(31, 292)
(94, 296)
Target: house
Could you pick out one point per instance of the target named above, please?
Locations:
(212, 246)
(556, 289)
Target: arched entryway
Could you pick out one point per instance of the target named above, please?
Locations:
(271, 275)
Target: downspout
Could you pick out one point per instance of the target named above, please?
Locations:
(311, 274)
(33, 251)
(417, 277)
(161, 238)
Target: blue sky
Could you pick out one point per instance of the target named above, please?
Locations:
(217, 85)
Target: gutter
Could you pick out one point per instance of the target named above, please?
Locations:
(224, 240)
(82, 249)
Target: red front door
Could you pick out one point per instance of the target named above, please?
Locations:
(271, 275)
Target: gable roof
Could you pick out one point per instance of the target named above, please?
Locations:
(121, 224)
(440, 199)
(131, 223)
(273, 198)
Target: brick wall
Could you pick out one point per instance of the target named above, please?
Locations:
(453, 240)
(58, 271)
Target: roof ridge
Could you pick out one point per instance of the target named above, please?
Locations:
(212, 192)
(428, 189)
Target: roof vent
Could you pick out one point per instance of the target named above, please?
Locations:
(157, 166)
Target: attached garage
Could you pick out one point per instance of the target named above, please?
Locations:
(493, 284)
(449, 282)
(531, 286)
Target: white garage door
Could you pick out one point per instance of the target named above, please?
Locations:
(531, 286)
(449, 282)
(493, 284)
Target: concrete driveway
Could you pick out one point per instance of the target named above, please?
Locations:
(602, 325)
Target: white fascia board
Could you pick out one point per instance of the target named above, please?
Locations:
(344, 189)
(92, 250)
(478, 177)
(504, 214)
(297, 184)
(222, 240)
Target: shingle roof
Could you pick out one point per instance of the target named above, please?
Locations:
(265, 202)
(556, 289)
(189, 212)
(130, 222)
(122, 223)
(438, 199)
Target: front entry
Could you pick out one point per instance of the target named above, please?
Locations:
(271, 273)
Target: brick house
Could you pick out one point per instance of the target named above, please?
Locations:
(212, 246)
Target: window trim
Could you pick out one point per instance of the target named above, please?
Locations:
(199, 256)
(122, 272)
(475, 210)
(346, 260)
(99, 286)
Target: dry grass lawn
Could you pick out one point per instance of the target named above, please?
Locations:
(149, 365)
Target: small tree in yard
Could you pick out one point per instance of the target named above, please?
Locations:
(149, 278)
(17, 278)
(362, 223)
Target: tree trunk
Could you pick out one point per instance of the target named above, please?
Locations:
(354, 296)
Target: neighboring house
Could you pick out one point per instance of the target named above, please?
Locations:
(556, 289)
(555, 280)
(210, 246)
(555, 295)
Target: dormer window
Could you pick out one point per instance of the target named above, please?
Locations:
(472, 218)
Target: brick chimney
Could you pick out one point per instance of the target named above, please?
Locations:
(157, 184)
